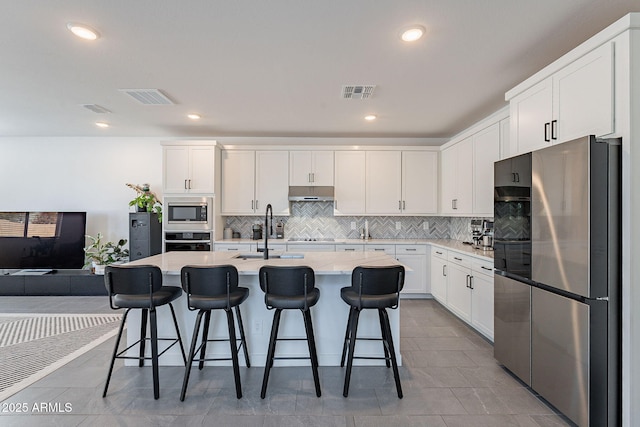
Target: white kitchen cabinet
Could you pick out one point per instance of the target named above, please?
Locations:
(458, 285)
(482, 297)
(189, 168)
(402, 182)
(439, 274)
(350, 188)
(272, 182)
(575, 101)
(457, 178)
(384, 183)
(414, 257)
(253, 179)
(350, 248)
(232, 247)
(314, 168)
(486, 150)
(419, 182)
(238, 182)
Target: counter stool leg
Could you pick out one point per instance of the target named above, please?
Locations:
(154, 352)
(352, 347)
(392, 353)
(115, 352)
(175, 323)
(234, 352)
(308, 325)
(383, 331)
(243, 340)
(347, 337)
(192, 350)
(205, 336)
(271, 352)
(143, 335)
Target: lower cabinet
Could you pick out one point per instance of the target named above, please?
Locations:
(464, 284)
(439, 274)
(414, 257)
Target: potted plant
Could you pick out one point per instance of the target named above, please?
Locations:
(146, 200)
(99, 254)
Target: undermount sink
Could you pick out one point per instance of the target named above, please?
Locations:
(260, 255)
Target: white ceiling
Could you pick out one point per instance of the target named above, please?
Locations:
(276, 67)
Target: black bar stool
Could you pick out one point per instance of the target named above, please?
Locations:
(287, 288)
(372, 288)
(214, 288)
(141, 287)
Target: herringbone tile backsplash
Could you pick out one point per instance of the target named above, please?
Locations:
(316, 219)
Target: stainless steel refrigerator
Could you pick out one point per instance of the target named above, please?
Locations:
(557, 289)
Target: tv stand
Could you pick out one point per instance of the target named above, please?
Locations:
(57, 282)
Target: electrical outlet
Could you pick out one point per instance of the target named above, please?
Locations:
(425, 225)
(257, 327)
(398, 225)
(353, 225)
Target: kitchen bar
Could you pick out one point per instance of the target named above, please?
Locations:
(332, 270)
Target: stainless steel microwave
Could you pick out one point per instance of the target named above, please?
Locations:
(188, 213)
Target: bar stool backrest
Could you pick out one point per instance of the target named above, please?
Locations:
(132, 280)
(209, 281)
(378, 280)
(287, 281)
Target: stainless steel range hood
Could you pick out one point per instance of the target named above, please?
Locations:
(310, 194)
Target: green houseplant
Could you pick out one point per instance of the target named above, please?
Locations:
(99, 253)
(146, 200)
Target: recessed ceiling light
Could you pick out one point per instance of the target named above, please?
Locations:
(83, 31)
(102, 124)
(413, 33)
(194, 116)
(370, 117)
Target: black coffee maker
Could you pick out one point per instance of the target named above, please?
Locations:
(256, 230)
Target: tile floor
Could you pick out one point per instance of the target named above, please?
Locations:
(449, 378)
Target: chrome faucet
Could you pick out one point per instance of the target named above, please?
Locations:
(268, 230)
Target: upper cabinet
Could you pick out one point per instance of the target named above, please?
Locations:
(401, 182)
(486, 150)
(189, 167)
(575, 101)
(313, 168)
(253, 179)
(350, 188)
(457, 178)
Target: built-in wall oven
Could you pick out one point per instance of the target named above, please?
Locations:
(188, 223)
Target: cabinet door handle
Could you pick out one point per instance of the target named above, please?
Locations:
(335, 204)
(399, 205)
(470, 282)
(410, 249)
(554, 129)
(486, 268)
(378, 249)
(444, 270)
(439, 253)
(513, 177)
(546, 132)
(185, 184)
(313, 177)
(517, 177)
(349, 249)
(309, 177)
(256, 205)
(458, 259)
(252, 204)
(189, 184)
(403, 205)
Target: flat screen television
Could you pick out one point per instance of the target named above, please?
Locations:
(53, 240)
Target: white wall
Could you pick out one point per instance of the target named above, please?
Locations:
(79, 174)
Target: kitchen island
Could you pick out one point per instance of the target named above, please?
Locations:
(332, 271)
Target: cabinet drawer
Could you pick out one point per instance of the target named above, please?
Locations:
(482, 267)
(439, 252)
(349, 248)
(229, 247)
(411, 250)
(460, 259)
(388, 249)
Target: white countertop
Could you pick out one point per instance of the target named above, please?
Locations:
(338, 263)
(442, 243)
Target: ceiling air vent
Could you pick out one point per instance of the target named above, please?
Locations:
(357, 91)
(148, 96)
(96, 108)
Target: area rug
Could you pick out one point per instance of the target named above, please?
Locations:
(34, 345)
